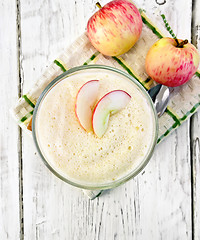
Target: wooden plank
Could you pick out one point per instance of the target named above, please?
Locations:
(154, 205)
(166, 181)
(195, 135)
(49, 204)
(9, 141)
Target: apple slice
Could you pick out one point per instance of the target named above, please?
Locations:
(109, 104)
(85, 101)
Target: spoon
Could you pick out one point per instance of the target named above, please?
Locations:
(160, 96)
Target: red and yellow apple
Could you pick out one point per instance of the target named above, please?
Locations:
(115, 28)
(172, 62)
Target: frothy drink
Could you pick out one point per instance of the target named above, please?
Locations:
(83, 157)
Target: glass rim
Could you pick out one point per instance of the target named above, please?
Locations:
(119, 181)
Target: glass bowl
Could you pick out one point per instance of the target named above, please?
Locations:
(87, 69)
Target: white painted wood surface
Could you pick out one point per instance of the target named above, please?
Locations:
(161, 203)
(10, 155)
(195, 136)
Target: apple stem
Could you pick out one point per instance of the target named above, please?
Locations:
(176, 41)
(98, 5)
(181, 44)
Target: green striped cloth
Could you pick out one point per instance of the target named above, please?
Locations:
(185, 99)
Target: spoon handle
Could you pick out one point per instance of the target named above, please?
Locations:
(160, 95)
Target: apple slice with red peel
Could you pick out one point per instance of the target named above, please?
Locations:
(85, 102)
(109, 104)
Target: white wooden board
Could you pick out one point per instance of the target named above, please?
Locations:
(162, 202)
(9, 140)
(195, 135)
(154, 205)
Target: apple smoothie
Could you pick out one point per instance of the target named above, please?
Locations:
(81, 156)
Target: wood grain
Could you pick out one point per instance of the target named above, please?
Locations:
(156, 204)
(9, 141)
(195, 136)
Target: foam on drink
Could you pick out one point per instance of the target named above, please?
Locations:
(83, 157)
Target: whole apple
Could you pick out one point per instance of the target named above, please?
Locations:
(172, 62)
(115, 28)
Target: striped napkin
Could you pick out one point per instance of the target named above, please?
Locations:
(184, 101)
